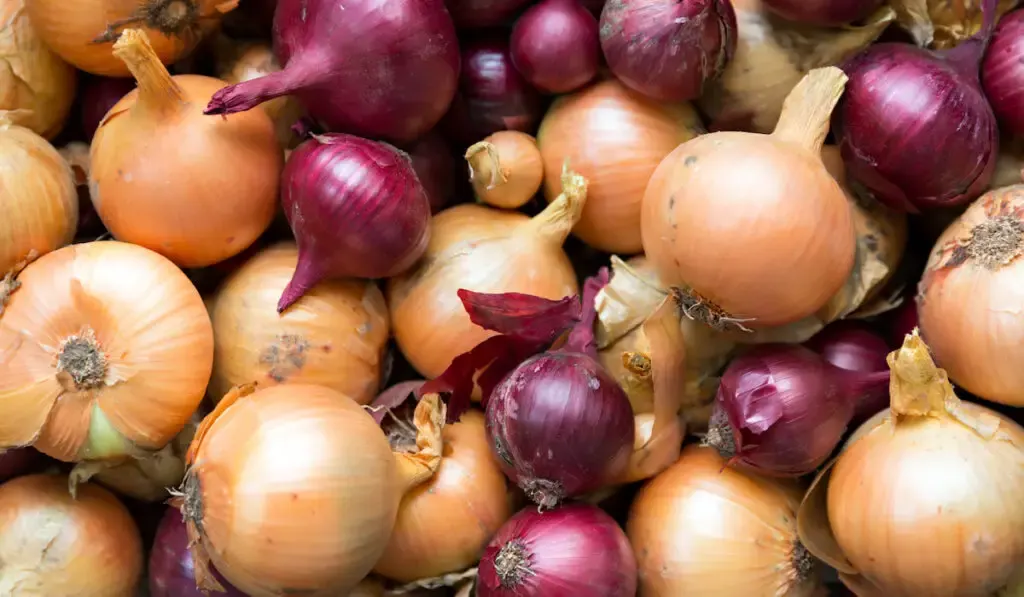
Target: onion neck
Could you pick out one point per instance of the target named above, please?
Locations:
(160, 96)
(512, 564)
(558, 219)
(420, 464)
(299, 74)
(918, 388)
(966, 57)
(866, 392)
(808, 108)
(485, 165)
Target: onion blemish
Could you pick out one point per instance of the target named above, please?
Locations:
(996, 242)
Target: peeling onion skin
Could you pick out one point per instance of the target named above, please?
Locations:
(825, 13)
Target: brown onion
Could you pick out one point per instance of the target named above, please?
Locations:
(505, 169)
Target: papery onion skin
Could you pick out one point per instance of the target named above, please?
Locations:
(334, 336)
(133, 337)
(357, 209)
(151, 477)
(1002, 72)
(825, 13)
(171, 570)
(576, 549)
(53, 544)
(98, 96)
(555, 45)
(615, 138)
(668, 49)
(476, 14)
(700, 513)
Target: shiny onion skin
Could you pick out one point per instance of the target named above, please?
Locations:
(573, 550)
(359, 67)
(196, 207)
(357, 209)
(436, 167)
(334, 336)
(853, 346)
(824, 13)
(505, 169)
(668, 49)
(703, 528)
(795, 245)
(54, 544)
(615, 138)
(108, 349)
(555, 45)
(1002, 72)
(98, 96)
(171, 571)
(476, 14)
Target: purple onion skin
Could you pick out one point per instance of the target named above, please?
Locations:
(171, 570)
(436, 168)
(668, 49)
(98, 96)
(377, 68)
(594, 6)
(853, 346)
(914, 128)
(825, 13)
(560, 425)
(1002, 72)
(478, 14)
(555, 45)
(902, 321)
(357, 210)
(571, 551)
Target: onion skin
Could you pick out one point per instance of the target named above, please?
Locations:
(575, 549)
(903, 321)
(824, 13)
(357, 209)
(1002, 73)
(99, 95)
(555, 45)
(853, 346)
(506, 169)
(435, 166)
(476, 14)
(668, 49)
(171, 570)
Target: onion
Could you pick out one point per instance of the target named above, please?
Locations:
(40, 204)
(576, 549)
(967, 293)
(555, 45)
(33, 80)
(17, 462)
(195, 207)
(701, 528)
(318, 509)
(98, 96)
(356, 208)
(668, 49)
(107, 350)
(54, 544)
(795, 245)
(826, 13)
(615, 138)
(510, 253)
(357, 68)
(80, 31)
(941, 24)
(1002, 72)
(782, 409)
(505, 169)
(171, 569)
(475, 14)
(435, 166)
(903, 321)
(853, 346)
(924, 499)
(914, 126)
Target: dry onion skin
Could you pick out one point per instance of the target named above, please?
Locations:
(53, 544)
(39, 203)
(483, 250)
(944, 23)
(764, 249)
(615, 138)
(925, 498)
(334, 336)
(293, 489)
(702, 528)
(505, 169)
(195, 189)
(81, 31)
(105, 352)
(32, 77)
(772, 56)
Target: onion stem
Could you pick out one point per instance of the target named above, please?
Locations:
(561, 215)
(159, 95)
(807, 111)
(416, 467)
(498, 175)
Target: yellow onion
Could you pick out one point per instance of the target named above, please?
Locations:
(105, 352)
(943, 23)
(615, 138)
(703, 528)
(334, 336)
(294, 489)
(483, 250)
(506, 169)
(32, 78)
(925, 498)
(55, 545)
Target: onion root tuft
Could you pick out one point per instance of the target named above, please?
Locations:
(996, 242)
(170, 17)
(81, 357)
(698, 308)
(512, 564)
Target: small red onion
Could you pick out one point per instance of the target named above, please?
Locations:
(18, 461)
(436, 168)
(668, 49)
(914, 127)
(476, 14)
(825, 13)
(853, 346)
(357, 210)
(902, 321)
(1002, 72)
(361, 66)
(781, 409)
(171, 569)
(572, 551)
(555, 45)
(98, 96)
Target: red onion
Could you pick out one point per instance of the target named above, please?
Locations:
(475, 14)
(903, 320)
(171, 570)
(914, 127)
(668, 49)
(370, 67)
(572, 551)
(357, 210)
(436, 168)
(782, 409)
(594, 6)
(555, 45)
(1002, 72)
(98, 96)
(826, 13)
(851, 345)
